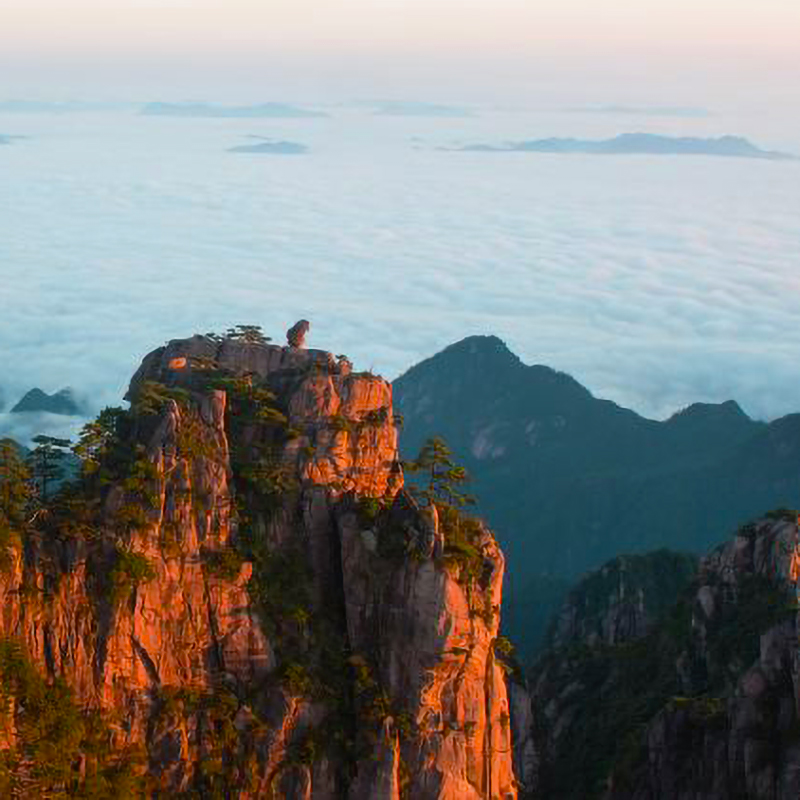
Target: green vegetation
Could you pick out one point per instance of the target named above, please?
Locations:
(280, 589)
(16, 498)
(369, 510)
(444, 477)
(225, 563)
(226, 759)
(258, 431)
(377, 417)
(46, 463)
(129, 571)
(98, 439)
(340, 423)
(619, 689)
(151, 397)
(60, 750)
(250, 334)
(440, 486)
(462, 535)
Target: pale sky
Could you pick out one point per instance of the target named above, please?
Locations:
(389, 47)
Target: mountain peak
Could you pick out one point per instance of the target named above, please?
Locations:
(63, 402)
(482, 346)
(727, 411)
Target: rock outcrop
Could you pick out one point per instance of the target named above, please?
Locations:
(702, 702)
(244, 591)
(620, 601)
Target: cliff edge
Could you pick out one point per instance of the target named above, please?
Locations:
(240, 599)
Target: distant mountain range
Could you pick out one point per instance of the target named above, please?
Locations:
(635, 144)
(262, 110)
(63, 402)
(269, 147)
(569, 481)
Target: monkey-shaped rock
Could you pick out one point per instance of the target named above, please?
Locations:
(296, 335)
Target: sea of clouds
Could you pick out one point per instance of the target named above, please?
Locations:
(655, 281)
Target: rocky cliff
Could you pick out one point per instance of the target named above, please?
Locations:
(240, 600)
(620, 601)
(697, 701)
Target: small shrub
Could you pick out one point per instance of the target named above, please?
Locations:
(129, 571)
(225, 563)
(341, 423)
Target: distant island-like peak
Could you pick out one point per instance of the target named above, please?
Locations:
(636, 144)
(271, 147)
(63, 402)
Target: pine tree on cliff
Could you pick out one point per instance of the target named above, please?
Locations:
(97, 437)
(444, 477)
(47, 463)
(16, 487)
(251, 334)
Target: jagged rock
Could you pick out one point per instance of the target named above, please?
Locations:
(702, 703)
(296, 335)
(338, 665)
(620, 601)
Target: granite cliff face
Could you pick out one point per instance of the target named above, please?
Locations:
(620, 601)
(251, 602)
(697, 699)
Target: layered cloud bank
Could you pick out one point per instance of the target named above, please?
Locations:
(656, 282)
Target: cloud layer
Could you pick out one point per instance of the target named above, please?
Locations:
(656, 282)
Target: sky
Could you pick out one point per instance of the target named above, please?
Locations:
(655, 282)
(505, 50)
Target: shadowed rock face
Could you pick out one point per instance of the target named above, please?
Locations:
(620, 602)
(698, 701)
(351, 652)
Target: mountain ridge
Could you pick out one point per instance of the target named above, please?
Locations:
(568, 480)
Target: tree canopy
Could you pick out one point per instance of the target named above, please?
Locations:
(441, 479)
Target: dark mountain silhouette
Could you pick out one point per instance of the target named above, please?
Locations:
(568, 480)
(63, 402)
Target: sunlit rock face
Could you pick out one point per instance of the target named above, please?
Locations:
(345, 417)
(259, 604)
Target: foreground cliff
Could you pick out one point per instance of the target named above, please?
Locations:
(693, 697)
(241, 600)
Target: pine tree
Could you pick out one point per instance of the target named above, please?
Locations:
(16, 487)
(46, 463)
(97, 437)
(444, 477)
(251, 334)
